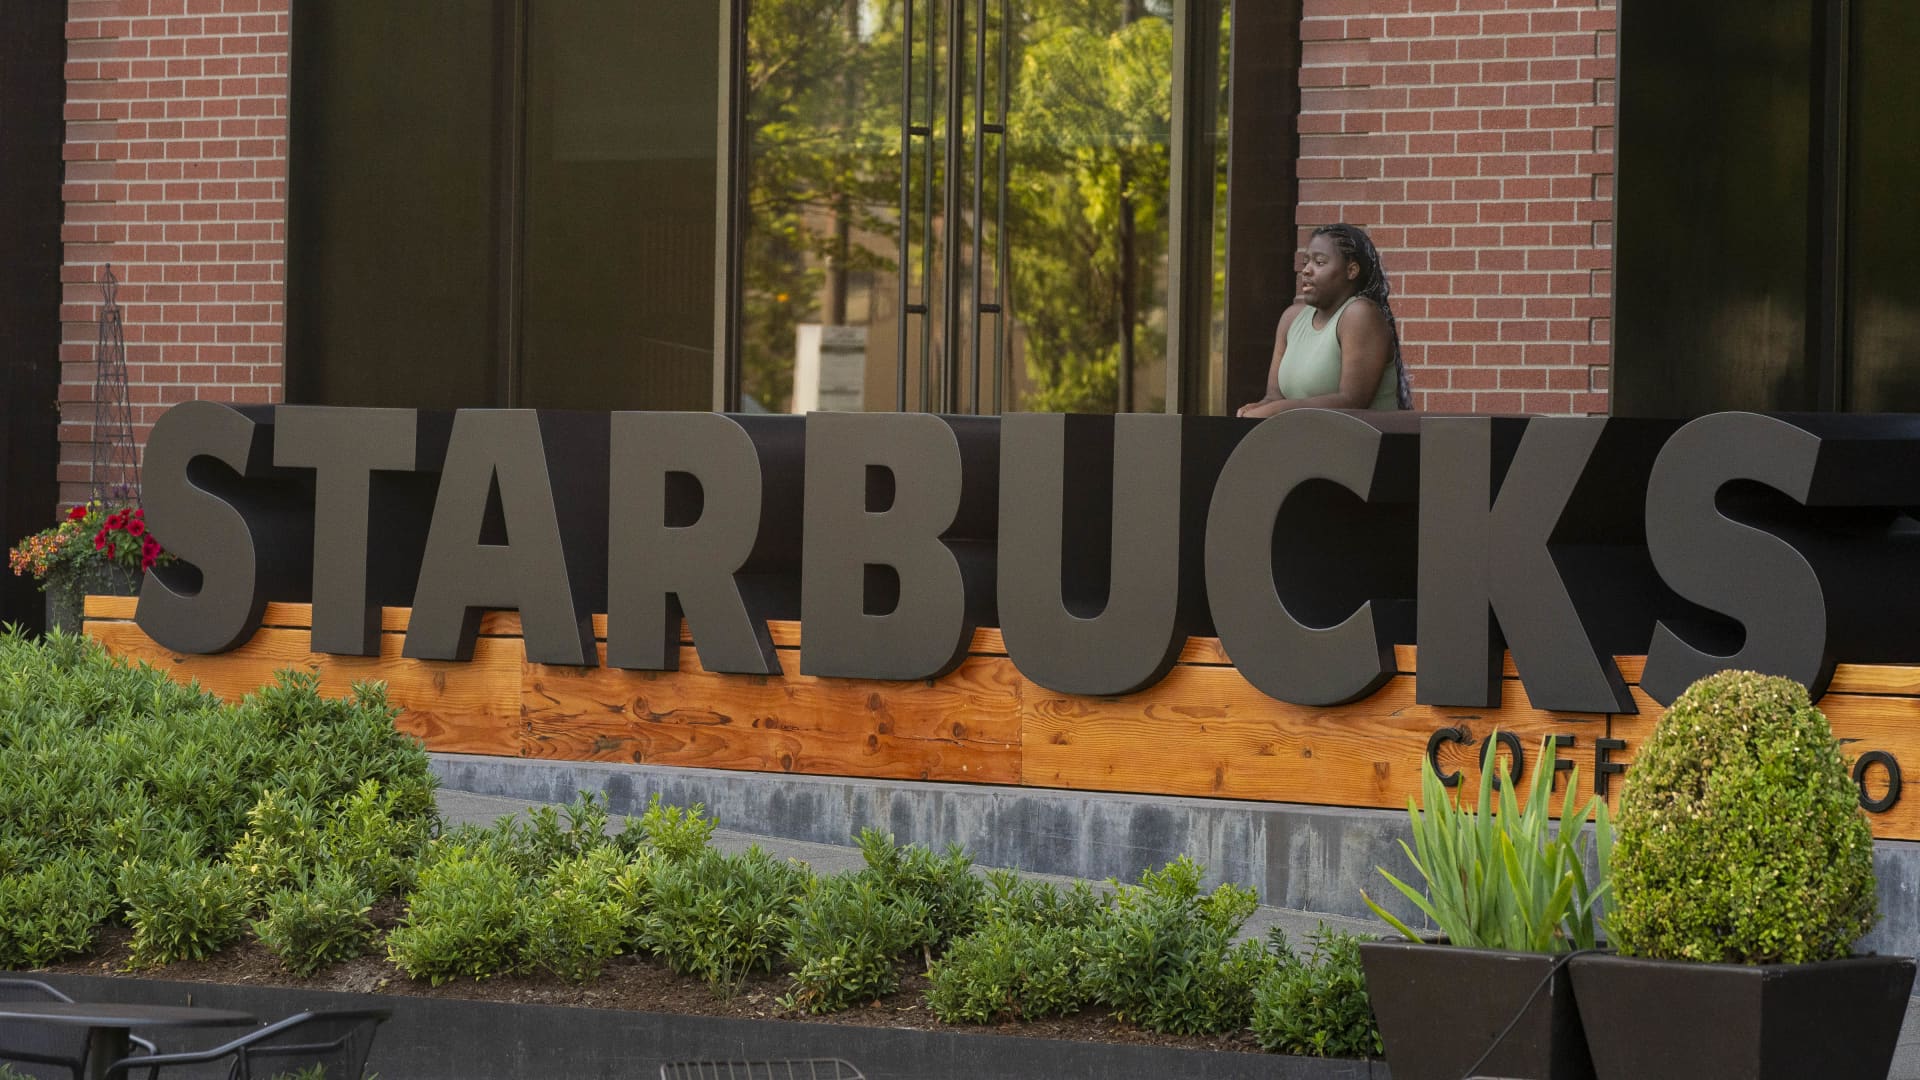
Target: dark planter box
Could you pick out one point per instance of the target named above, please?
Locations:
(1441, 1007)
(449, 1039)
(1656, 1019)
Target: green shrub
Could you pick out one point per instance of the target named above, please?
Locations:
(1163, 956)
(1008, 970)
(321, 923)
(579, 916)
(1008, 897)
(946, 884)
(677, 834)
(721, 916)
(1498, 877)
(463, 918)
(52, 911)
(1317, 1005)
(1741, 835)
(845, 939)
(184, 911)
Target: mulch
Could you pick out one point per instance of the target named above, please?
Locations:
(630, 983)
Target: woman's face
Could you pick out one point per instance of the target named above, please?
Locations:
(1326, 276)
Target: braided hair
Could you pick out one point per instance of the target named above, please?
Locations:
(1355, 244)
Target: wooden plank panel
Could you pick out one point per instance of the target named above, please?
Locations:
(470, 708)
(1206, 731)
(965, 727)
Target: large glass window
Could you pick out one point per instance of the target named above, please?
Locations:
(1883, 234)
(503, 203)
(959, 205)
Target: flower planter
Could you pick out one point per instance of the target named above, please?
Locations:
(1441, 1007)
(1654, 1019)
(67, 592)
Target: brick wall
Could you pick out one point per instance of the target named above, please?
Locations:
(176, 175)
(1474, 139)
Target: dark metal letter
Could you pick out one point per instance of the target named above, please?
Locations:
(344, 447)
(1133, 639)
(205, 528)
(1277, 652)
(1737, 569)
(1485, 555)
(926, 633)
(499, 450)
(657, 571)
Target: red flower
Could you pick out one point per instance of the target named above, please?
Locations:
(109, 551)
(115, 521)
(146, 561)
(76, 513)
(140, 512)
(136, 527)
(100, 540)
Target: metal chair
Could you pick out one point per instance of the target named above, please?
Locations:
(795, 1069)
(337, 1041)
(27, 1043)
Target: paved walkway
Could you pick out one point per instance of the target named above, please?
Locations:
(459, 806)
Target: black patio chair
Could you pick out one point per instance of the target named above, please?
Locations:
(337, 1041)
(794, 1069)
(24, 1042)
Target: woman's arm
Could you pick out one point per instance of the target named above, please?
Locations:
(1365, 348)
(1274, 401)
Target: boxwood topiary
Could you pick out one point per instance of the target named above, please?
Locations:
(1740, 836)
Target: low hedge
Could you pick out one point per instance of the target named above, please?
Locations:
(132, 800)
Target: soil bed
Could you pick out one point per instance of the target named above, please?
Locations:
(629, 983)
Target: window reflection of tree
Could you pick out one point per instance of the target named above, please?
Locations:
(1087, 205)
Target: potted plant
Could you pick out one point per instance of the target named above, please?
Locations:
(1742, 877)
(94, 549)
(1512, 895)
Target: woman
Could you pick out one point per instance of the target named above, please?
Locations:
(1337, 347)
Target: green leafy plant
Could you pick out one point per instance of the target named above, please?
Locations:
(1498, 877)
(1164, 955)
(579, 916)
(721, 916)
(463, 918)
(52, 911)
(319, 924)
(1009, 970)
(845, 938)
(945, 883)
(677, 834)
(1741, 835)
(186, 911)
(1316, 1005)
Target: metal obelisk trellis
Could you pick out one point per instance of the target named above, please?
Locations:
(115, 474)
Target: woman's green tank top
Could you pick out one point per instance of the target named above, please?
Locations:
(1311, 365)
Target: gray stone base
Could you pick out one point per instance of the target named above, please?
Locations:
(1306, 858)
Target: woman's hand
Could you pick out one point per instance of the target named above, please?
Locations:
(1262, 408)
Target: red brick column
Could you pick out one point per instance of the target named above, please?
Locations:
(1474, 139)
(176, 167)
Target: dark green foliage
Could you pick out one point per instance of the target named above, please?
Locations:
(463, 918)
(1741, 838)
(116, 780)
(1026, 960)
(1316, 1005)
(51, 911)
(945, 883)
(1164, 956)
(321, 922)
(721, 916)
(1009, 970)
(845, 939)
(182, 911)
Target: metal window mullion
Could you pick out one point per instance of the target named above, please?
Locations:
(950, 210)
(1000, 241)
(906, 204)
(926, 204)
(977, 181)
